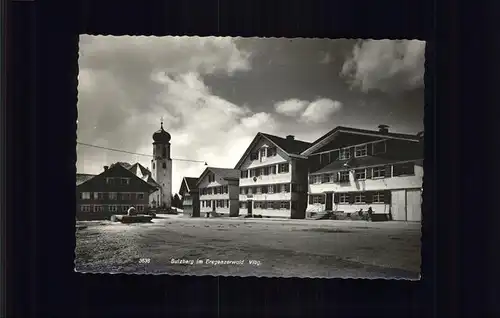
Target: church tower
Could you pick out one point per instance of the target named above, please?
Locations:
(161, 167)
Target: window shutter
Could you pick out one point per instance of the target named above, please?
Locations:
(336, 198)
(368, 197)
(336, 176)
(351, 151)
(351, 197)
(388, 171)
(368, 173)
(310, 199)
(322, 201)
(287, 187)
(387, 197)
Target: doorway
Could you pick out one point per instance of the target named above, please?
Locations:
(249, 207)
(329, 201)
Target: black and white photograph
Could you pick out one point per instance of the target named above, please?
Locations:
(264, 157)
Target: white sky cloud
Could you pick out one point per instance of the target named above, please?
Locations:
(320, 111)
(386, 65)
(290, 107)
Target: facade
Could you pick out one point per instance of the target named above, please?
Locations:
(145, 174)
(352, 169)
(161, 167)
(218, 191)
(190, 197)
(273, 177)
(113, 191)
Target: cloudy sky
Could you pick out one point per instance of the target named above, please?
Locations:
(215, 94)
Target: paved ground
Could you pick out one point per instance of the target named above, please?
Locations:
(299, 248)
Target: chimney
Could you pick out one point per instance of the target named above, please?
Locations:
(383, 128)
(106, 168)
(290, 137)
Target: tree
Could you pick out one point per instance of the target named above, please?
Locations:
(176, 201)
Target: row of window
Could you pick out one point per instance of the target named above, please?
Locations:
(265, 171)
(214, 190)
(116, 181)
(109, 208)
(263, 153)
(112, 195)
(382, 197)
(271, 188)
(403, 169)
(274, 205)
(217, 203)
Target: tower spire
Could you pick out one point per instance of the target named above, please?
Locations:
(161, 122)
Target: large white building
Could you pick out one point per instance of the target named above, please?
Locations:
(273, 177)
(352, 169)
(218, 191)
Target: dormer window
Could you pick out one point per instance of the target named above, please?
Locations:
(360, 151)
(344, 154)
(271, 151)
(262, 154)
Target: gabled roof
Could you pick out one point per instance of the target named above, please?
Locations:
(349, 130)
(188, 184)
(125, 172)
(141, 172)
(83, 177)
(224, 173)
(290, 147)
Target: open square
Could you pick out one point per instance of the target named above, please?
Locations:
(267, 247)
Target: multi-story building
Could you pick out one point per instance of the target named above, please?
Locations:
(218, 191)
(190, 197)
(113, 191)
(273, 177)
(352, 169)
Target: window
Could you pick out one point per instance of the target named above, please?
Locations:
(112, 196)
(153, 165)
(331, 177)
(271, 151)
(264, 189)
(242, 190)
(98, 208)
(378, 172)
(86, 195)
(125, 208)
(379, 147)
(211, 178)
(404, 169)
(283, 168)
(273, 169)
(112, 208)
(226, 189)
(359, 198)
(344, 154)
(344, 176)
(378, 197)
(257, 205)
(360, 151)
(254, 156)
(317, 179)
(269, 205)
(284, 205)
(208, 204)
(265, 171)
(262, 154)
(164, 165)
(244, 174)
(270, 188)
(243, 205)
(317, 199)
(227, 203)
(140, 208)
(109, 180)
(140, 196)
(125, 196)
(250, 190)
(252, 173)
(125, 181)
(258, 190)
(344, 198)
(85, 208)
(360, 174)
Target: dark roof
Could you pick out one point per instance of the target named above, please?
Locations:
(363, 131)
(191, 182)
(161, 136)
(226, 173)
(290, 146)
(83, 177)
(358, 163)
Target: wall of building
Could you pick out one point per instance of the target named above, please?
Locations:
(399, 182)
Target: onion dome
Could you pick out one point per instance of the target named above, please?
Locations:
(161, 136)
